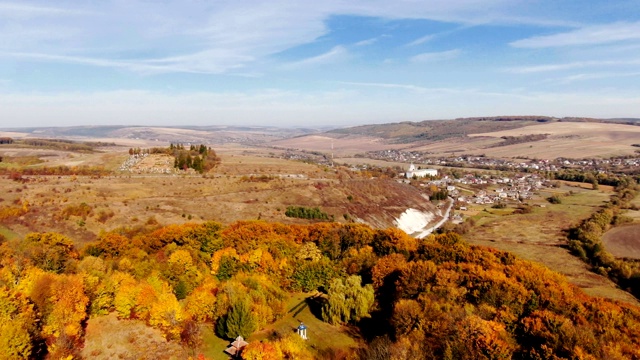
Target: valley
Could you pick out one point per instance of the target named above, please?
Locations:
(130, 214)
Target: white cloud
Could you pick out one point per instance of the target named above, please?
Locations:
(204, 63)
(21, 10)
(337, 54)
(421, 40)
(436, 56)
(571, 65)
(388, 86)
(367, 42)
(589, 35)
(592, 76)
(204, 37)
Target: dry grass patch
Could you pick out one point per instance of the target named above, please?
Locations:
(226, 195)
(623, 241)
(109, 338)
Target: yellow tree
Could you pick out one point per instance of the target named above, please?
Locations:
(166, 313)
(262, 351)
(200, 304)
(68, 307)
(126, 290)
(17, 325)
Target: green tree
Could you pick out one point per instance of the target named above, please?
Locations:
(239, 321)
(348, 300)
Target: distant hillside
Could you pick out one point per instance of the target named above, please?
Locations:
(500, 136)
(213, 134)
(435, 130)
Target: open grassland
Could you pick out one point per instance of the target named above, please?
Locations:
(623, 241)
(540, 236)
(568, 139)
(563, 139)
(110, 158)
(243, 187)
(342, 146)
(601, 188)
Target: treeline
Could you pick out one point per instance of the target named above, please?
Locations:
(66, 145)
(585, 241)
(512, 140)
(302, 212)
(6, 140)
(592, 177)
(61, 170)
(437, 298)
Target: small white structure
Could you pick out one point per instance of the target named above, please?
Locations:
(419, 173)
(302, 331)
(236, 347)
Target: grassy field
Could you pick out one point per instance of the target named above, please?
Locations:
(109, 338)
(623, 241)
(634, 214)
(244, 187)
(568, 139)
(540, 236)
(8, 234)
(322, 337)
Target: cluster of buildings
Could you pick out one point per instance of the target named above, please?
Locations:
(596, 164)
(519, 187)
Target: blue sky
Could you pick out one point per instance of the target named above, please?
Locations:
(337, 63)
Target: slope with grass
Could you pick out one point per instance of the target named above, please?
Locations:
(540, 236)
(623, 241)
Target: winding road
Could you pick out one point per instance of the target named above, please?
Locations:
(445, 218)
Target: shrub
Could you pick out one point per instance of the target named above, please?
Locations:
(555, 199)
(302, 212)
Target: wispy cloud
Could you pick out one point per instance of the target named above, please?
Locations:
(20, 10)
(570, 66)
(336, 54)
(367, 42)
(592, 76)
(203, 63)
(589, 35)
(436, 56)
(388, 86)
(421, 40)
(433, 90)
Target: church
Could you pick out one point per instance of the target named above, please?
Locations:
(419, 172)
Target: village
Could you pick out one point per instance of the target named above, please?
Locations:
(612, 165)
(480, 188)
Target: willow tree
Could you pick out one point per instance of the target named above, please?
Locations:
(347, 300)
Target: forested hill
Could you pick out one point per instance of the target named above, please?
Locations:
(401, 297)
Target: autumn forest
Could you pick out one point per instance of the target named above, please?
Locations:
(435, 298)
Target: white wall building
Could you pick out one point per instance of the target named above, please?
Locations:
(420, 173)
